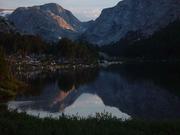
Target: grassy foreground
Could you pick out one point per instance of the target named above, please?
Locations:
(12, 123)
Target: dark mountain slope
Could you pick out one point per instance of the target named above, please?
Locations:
(164, 44)
(145, 16)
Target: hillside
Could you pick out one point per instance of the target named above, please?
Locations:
(163, 44)
(144, 16)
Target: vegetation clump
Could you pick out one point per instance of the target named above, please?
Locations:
(13, 123)
(9, 86)
(64, 50)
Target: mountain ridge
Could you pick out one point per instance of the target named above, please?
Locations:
(145, 16)
(50, 21)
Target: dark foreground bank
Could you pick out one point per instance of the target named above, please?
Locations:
(12, 123)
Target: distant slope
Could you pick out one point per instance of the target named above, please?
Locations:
(145, 16)
(50, 21)
(163, 44)
(5, 12)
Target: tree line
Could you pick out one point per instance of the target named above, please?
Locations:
(163, 44)
(15, 43)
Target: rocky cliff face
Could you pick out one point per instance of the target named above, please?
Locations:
(50, 21)
(144, 16)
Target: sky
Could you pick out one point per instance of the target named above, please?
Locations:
(83, 9)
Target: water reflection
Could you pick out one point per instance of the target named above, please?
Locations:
(84, 106)
(117, 90)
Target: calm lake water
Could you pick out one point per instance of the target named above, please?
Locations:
(145, 91)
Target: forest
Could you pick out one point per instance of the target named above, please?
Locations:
(163, 44)
(25, 45)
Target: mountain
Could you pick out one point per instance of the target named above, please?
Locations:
(50, 21)
(5, 12)
(142, 16)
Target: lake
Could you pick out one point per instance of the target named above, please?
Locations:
(149, 91)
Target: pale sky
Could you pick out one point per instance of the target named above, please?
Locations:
(82, 9)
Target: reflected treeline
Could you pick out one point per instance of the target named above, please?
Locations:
(165, 75)
(66, 79)
(36, 82)
(66, 82)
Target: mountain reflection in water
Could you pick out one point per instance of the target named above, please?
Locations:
(124, 91)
